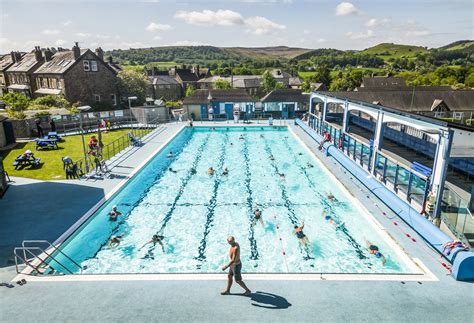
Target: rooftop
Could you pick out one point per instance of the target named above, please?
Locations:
(233, 95)
(60, 62)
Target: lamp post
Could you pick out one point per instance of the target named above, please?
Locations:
(130, 99)
(83, 109)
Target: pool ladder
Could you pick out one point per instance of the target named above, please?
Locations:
(33, 254)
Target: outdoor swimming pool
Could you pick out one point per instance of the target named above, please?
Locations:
(196, 212)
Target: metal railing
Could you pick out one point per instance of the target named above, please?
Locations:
(456, 215)
(38, 263)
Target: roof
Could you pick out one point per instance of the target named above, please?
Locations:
(5, 62)
(423, 99)
(286, 95)
(60, 62)
(163, 79)
(383, 81)
(240, 81)
(28, 61)
(233, 95)
(116, 67)
(48, 91)
(278, 73)
(294, 80)
(18, 87)
(186, 75)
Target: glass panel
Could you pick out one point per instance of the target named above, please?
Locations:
(390, 171)
(418, 186)
(402, 180)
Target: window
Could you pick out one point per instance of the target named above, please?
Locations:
(87, 67)
(114, 99)
(97, 97)
(53, 83)
(94, 67)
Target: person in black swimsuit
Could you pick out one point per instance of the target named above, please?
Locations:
(302, 238)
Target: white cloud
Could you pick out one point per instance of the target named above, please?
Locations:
(306, 32)
(132, 45)
(60, 42)
(261, 25)
(29, 44)
(374, 22)
(366, 35)
(157, 38)
(83, 35)
(50, 32)
(321, 40)
(211, 18)
(7, 45)
(346, 8)
(102, 36)
(417, 33)
(94, 44)
(412, 29)
(154, 27)
(67, 23)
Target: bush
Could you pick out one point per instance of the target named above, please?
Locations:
(42, 114)
(16, 101)
(51, 101)
(12, 114)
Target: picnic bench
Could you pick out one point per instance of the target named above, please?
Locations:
(50, 143)
(24, 161)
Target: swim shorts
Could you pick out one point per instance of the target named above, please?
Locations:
(235, 271)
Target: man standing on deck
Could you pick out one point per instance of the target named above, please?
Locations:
(235, 266)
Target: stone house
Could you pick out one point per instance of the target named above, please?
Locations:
(164, 87)
(5, 62)
(19, 75)
(80, 75)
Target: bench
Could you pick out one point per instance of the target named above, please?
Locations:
(422, 169)
(46, 143)
(26, 162)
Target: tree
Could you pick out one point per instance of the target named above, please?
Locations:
(322, 75)
(133, 83)
(268, 82)
(16, 101)
(222, 84)
(49, 102)
(189, 91)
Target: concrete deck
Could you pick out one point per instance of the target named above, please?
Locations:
(44, 210)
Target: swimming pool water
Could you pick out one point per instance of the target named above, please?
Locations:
(196, 212)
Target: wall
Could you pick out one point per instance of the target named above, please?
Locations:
(196, 109)
(22, 128)
(81, 86)
(3, 139)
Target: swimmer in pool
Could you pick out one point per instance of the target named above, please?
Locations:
(193, 171)
(257, 216)
(210, 171)
(309, 165)
(331, 197)
(261, 136)
(225, 172)
(374, 250)
(113, 214)
(302, 238)
(170, 154)
(155, 239)
(172, 170)
(271, 157)
(282, 176)
(115, 241)
(241, 137)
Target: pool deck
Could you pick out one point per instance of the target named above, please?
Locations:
(45, 210)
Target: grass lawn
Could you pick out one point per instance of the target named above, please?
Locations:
(51, 162)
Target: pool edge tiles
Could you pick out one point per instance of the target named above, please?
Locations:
(275, 275)
(417, 266)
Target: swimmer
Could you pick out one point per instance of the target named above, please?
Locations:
(257, 216)
(155, 239)
(225, 172)
(231, 144)
(300, 154)
(261, 136)
(309, 165)
(331, 197)
(271, 157)
(172, 170)
(113, 214)
(328, 218)
(170, 154)
(210, 171)
(374, 250)
(115, 241)
(241, 137)
(302, 238)
(193, 171)
(282, 176)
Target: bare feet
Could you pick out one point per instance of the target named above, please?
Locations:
(248, 293)
(225, 292)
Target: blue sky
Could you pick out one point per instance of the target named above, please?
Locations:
(298, 23)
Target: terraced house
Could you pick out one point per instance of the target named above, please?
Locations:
(5, 62)
(80, 75)
(19, 75)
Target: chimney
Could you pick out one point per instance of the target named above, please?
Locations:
(197, 70)
(38, 54)
(17, 56)
(13, 55)
(48, 55)
(99, 52)
(110, 59)
(76, 50)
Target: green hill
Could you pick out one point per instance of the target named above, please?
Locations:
(389, 50)
(277, 52)
(461, 45)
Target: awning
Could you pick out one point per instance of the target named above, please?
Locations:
(48, 91)
(18, 87)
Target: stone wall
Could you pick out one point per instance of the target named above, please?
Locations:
(3, 138)
(23, 128)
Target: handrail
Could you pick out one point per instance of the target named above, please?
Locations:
(55, 249)
(43, 261)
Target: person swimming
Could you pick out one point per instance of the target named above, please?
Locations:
(302, 238)
(115, 241)
(282, 176)
(374, 250)
(261, 136)
(154, 240)
(309, 165)
(170, 154)
(113, 214)
(331, 197)
(210, 171)
(271, 157)
(241, 137)
(193, 171)
(225, 172)
(172, 170)
(257, 216)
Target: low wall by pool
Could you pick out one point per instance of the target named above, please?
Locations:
(463, 261)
